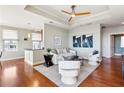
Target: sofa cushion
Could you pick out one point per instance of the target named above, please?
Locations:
(67, 49)
(72, 51)
(57, 51)
(64, 50)
(54, 51)
(68, 54)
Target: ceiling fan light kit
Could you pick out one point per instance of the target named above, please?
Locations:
(73, 14)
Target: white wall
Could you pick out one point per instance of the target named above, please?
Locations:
(82, 30)
(21, 44)
(49, 34)
(107, 32)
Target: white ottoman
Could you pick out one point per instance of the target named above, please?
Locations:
(69, 71)
(69, 77)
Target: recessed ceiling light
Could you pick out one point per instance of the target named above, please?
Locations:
(50, 21)
(28, 23)
(73, 15)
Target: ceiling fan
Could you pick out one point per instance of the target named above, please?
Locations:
(73, 13)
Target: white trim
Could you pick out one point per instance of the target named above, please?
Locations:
(116, 54)
(38, 62)
(7, 59)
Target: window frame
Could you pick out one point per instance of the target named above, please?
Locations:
(10, 40)
(38, 41)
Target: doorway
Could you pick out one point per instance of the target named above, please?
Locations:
(117, 45)
(116, 49)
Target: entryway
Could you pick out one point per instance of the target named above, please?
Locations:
(116, 49)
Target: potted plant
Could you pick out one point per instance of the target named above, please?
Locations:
(48, 50)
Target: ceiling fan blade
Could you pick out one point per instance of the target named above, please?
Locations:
(66, 12)
(82, 13)
(70, 19)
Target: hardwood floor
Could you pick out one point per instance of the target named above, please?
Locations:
(18, 73)
(109, 74)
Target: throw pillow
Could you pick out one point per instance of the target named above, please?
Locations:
(60, 51)
(72, 51)
(68, 50)
(54, 51)
(57, 51)
(64, 50)
(95, 52)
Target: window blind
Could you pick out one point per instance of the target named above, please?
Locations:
(36, 36)
(10, 34)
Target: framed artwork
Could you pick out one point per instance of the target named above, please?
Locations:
(76, 41)
(57, 41)
(87, 41)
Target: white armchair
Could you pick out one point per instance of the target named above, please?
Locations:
(93, 58)
(69, 71)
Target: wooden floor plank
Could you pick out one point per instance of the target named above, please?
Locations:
(16, 73)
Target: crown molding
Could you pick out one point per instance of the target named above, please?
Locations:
(52, 14)
(90, 19)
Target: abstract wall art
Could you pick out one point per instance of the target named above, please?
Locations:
(76, 41)
(87, 41)
(57, 41)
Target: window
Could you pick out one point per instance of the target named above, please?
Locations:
(10, 45)
(36, 41)
(10, 40)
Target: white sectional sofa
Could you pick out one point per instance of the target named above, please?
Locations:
(60, 53)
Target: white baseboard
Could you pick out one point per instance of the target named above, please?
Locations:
(38, 62)
(12, 58)
(116, 54)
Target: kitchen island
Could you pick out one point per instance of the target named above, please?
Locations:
(34, 56)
